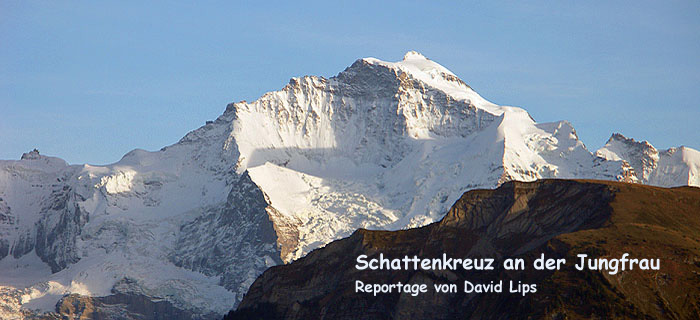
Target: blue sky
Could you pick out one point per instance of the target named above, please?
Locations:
(89, 81)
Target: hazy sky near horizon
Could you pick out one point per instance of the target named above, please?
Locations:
(89, 81)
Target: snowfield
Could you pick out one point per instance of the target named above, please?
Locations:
(381, 145)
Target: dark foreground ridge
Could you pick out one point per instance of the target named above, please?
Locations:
(560, 218)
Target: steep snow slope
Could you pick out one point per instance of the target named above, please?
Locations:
(671, 167)
(381, 145)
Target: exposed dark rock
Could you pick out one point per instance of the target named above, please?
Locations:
(223, 240)
(56, 234)
(4, 248)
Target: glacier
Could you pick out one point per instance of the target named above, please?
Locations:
(382, 145)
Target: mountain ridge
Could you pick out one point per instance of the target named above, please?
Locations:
(668, 167)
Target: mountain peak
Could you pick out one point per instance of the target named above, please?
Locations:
(617, 136)
(630, 141)
(653, 166)
(414, 55)
(417, 67)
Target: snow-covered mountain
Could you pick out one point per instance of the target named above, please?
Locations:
(671, 167)
(381, 146)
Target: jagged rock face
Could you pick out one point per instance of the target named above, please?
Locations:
(57, 232)
(219, 241)
(559, 218)
(671, 167)
(6, 219)
(381, 145)
(642, 156)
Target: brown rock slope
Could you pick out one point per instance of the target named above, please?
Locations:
(560, 218)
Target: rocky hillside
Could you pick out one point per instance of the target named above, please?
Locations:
(560, 218)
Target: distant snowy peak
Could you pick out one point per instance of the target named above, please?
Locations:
(671, 167)
(414, 55)
(641, 155)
